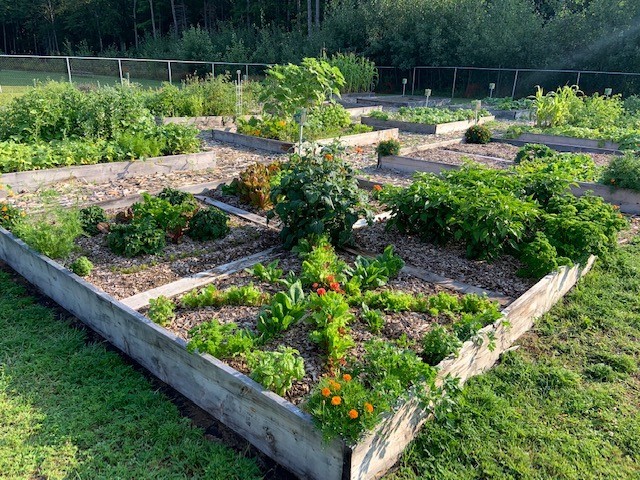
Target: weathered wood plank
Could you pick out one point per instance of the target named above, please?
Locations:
(238, 212)
(272, 424)
(200, 279)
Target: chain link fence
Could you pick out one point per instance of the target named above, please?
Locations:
(475, 82)
(26, 70)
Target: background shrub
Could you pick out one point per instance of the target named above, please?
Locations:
(477, 134)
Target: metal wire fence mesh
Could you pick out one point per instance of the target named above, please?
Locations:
(475, 82)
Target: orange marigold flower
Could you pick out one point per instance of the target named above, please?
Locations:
(331, 278)
(315, 285)
(328, 156)
(335, 286)
(359, 150)
(346, 377)
(368, 407)
(335, 385)
(321, 291)
(377, 188)
(325, 392)
(353, 414)
(336, 400)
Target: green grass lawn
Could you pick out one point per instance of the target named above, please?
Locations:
(565, 406)
(71, 409)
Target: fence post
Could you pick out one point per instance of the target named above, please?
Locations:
(120, 71)
(213, 69)
(515, 81)
(413, 81)
(453, 87)
(69, 69)
(247, 71)
(169, 69)
(578, 80)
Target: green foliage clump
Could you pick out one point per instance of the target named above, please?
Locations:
(320, 263)
(178, 197)
(52, 232)
(161, 310)
(142, 237)
(220, 340)
(290, 87)
(210, 296)
(172, 218)
(9, 215)
(360, 73)
(429, 115)
(285, 309)
(276, 370)
(81, 266)
(91, 217)
(477, 134)
(55, 124)
(623, 172)
(496, 212)
(318, 195)
(331, 317)
(373, 318)
(269, 273)
(388, 147)
(208, 224)
(438, 344)
(534, 151)
(373, 273)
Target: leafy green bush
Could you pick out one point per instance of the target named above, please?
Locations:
(270, 273)
(478, 134)
(142, 237)
(210, 296)
(82, 266)
(90, 217)
(534, 151)
(172, 218)
(276, 370)
(161, 310)
(52, 232)
(290, 87)
(373, 318)
(495, 211)
(318, 195)
(508, 103)
(438, 344)
(331, 318)
(321, 266)
(253, 185)
(623, 172)
(209, 224)
(220, 340)
(388, 147)
(373, 273)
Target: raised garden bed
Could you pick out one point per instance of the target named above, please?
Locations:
(627, 200)
(434, 129)
(564, 144)
(278, 146)
(211, 122)
(36, 179)
(399, 101)
(273, 424)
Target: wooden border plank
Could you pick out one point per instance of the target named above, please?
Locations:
(200, 279)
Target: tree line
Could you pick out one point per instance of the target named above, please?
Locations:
(584, 34)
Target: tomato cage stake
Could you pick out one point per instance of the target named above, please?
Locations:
(477, 104)
(492, 87)
(300, 117)
(404, 86)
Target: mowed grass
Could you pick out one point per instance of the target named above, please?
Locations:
(71, 409)
(565, 406)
